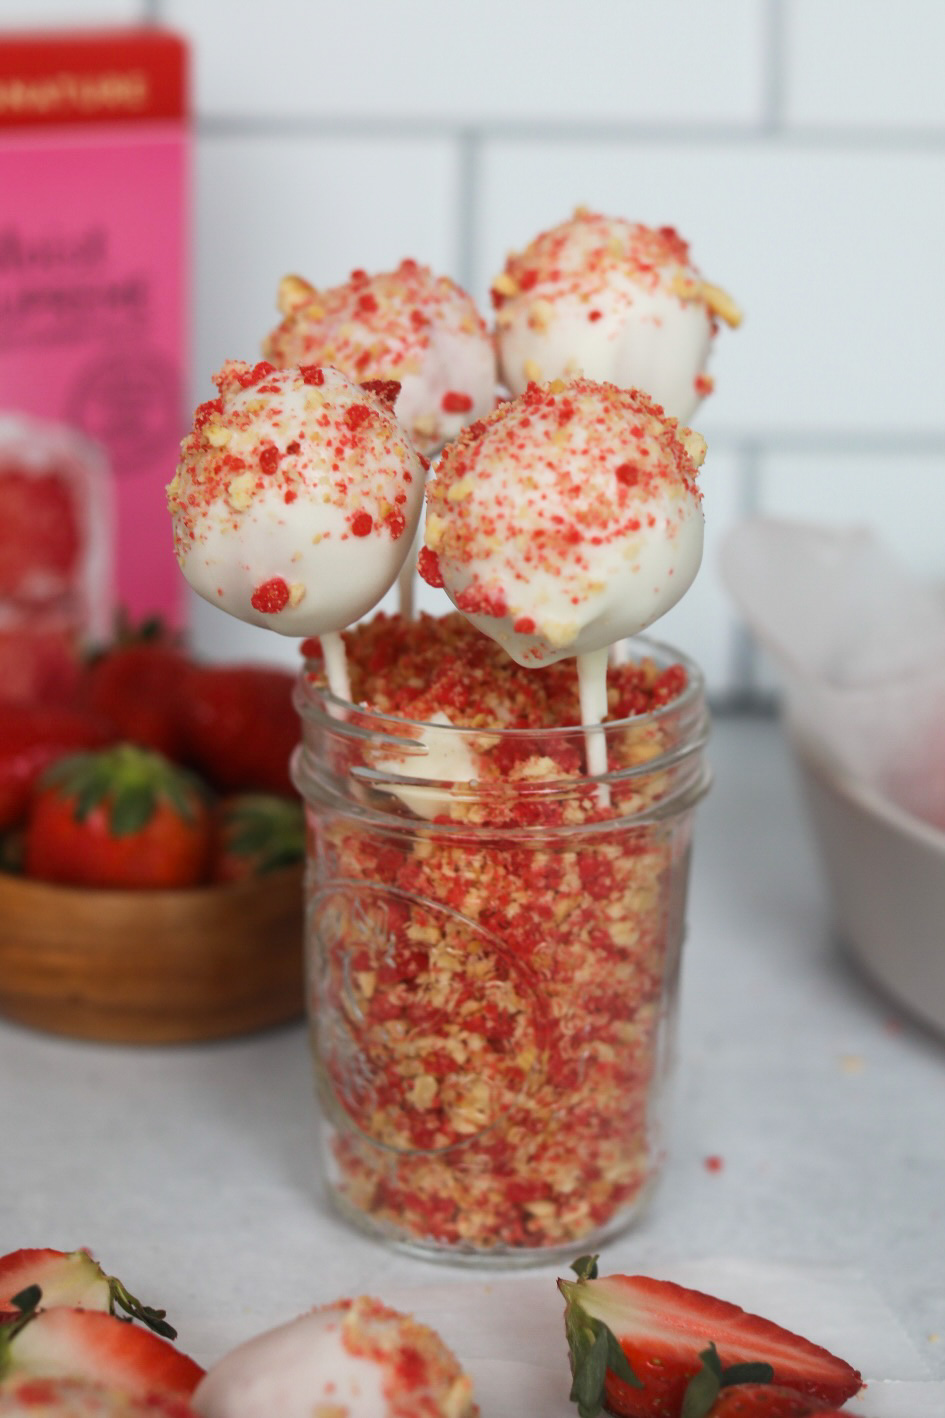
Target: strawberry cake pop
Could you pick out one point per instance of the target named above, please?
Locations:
(612, 300)
(408, 325)
(295, 501)
(356, 1358)
(567, 520)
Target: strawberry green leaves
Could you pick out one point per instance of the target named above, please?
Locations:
(705, 1386)
(594, 1349)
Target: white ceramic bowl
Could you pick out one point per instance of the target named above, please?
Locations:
(885, 871)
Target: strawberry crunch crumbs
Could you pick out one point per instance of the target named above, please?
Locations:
(422, 1378)
(492, 985)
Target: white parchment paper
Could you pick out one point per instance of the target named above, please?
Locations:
(859, 644)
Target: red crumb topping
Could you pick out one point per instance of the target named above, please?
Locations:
(578, 256)
(428, 566)
(546, 480)
(384, 389)
(304, 433)
(442, 664)
(490, 1025)
(271, 597)
(402, 325)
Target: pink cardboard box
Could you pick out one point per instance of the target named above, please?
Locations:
(94, 255)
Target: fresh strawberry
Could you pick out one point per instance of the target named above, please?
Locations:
(40, 658)
(256, 833)
(139, 684)
(31, 737)
(635, 1344)
(240, 727)
(87, 1344)
(120, 817)
(72, 1278)
(84, 1398)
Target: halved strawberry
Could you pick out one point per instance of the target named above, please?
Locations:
(72, 1278)
(84, 1398)
(89, 1344)
(635, 1343)
(765, 1401)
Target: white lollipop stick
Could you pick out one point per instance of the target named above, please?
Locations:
(336, 664)
(406, 579)
(592, 686)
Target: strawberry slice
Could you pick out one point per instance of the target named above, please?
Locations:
(89, 1344)
(82, 1398)
(635, 1343)
(766, 1401)
(72, 1278)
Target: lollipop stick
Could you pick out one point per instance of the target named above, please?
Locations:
(405, 579)
(336, 664)
(592, 687)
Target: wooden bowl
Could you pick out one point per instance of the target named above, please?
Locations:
(152, 967)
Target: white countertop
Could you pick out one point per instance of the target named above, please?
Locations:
(190, 1171)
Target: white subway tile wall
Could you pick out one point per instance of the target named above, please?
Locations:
(798, 144)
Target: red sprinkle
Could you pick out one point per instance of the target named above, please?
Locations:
(524, 625)
(456, 403)
(713, 1163)
(386, 390)
(627, 474)
(312, 374)
(362, 523)
(269, 458)
(397, 523)
(428, 565)
(593, 315)
(477, 600)
(271, 597)
(367, 304)
(356, 415)
(204, 412)
(257, 373)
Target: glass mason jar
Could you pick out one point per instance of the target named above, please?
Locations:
(492, 961)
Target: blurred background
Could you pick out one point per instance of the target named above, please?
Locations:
(799, 145)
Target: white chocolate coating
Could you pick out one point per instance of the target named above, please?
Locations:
(352, 1359)
(569, 519)
(296, 499)
(410, 325)
(614, 301)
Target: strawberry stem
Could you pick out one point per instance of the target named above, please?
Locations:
(124, 1300)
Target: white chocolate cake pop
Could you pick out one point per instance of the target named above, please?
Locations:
(296, 498)
(567, 520)
(410, 325)
(356, 1358)
(610, 300)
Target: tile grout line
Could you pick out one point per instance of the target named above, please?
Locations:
(438, 127)
(774, 68)
(468, 205)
